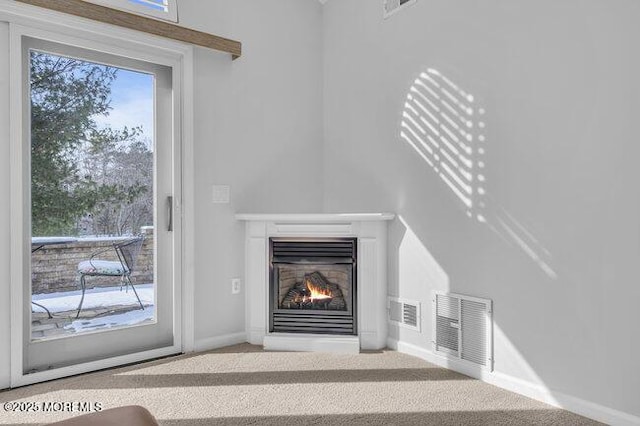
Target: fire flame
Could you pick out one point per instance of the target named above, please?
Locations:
(318, 293)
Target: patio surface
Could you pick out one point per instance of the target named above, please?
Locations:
(103, 308)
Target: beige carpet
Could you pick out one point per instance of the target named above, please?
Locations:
(243, 385)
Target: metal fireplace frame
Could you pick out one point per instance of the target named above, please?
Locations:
(291, 251)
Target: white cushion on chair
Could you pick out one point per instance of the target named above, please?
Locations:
(101, 267)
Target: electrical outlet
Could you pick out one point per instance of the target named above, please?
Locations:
(235, 286)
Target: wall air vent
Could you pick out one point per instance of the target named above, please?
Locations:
(404, 312)
(463, 328)
(392, 6)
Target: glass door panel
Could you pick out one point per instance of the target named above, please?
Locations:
(100, 135)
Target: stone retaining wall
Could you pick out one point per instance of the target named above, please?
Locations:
(54, 268)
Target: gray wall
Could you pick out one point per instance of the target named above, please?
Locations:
(557, 245)
(258, 129)
(559, 241)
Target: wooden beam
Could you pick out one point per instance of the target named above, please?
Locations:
(140, 23)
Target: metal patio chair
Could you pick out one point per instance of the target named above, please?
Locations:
(127, 253)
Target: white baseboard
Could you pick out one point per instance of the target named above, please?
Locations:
(311, 343)
(371, 341)
(541, 393)
(220, 341)
(255, 336)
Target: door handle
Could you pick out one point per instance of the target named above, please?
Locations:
(170, 213)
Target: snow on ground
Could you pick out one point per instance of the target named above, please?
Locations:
(99, 238)
(102, 297)
(111, 321)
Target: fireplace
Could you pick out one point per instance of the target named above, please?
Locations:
(281, 328)
(313, 285)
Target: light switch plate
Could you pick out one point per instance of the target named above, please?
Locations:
(236, 286)
(221, 194)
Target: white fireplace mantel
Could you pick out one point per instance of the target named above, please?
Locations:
(371, 231)
(315, 217)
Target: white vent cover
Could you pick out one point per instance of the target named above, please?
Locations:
(393, 6)
(462, 328)
(404, 312)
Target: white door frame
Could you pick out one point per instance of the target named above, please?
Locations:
(38, 23)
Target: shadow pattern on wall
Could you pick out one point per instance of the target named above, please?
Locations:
(447, 127)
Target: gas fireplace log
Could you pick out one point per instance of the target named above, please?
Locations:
(300, 296)
(337, 304)
(317, 280)
(296, 299)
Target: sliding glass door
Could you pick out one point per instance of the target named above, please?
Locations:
(100, 135)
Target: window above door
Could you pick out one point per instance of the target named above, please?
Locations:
(161, 9)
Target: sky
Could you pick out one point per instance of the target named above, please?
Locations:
(131, 102)
(132, 94)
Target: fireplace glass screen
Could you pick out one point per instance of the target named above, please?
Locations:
(314, 287)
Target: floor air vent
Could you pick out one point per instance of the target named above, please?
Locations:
(393, 6)
(404, 312)
(462, 328)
